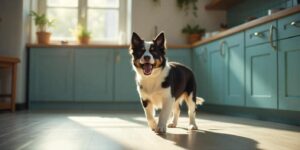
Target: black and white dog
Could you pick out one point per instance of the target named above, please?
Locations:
(162, 84)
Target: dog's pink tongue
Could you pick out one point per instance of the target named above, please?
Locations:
(147, 69)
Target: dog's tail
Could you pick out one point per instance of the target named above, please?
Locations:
(199, 100)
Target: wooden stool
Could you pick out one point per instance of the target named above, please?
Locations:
(10, 63)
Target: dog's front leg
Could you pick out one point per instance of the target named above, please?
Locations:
(148, 108)
(164, 115)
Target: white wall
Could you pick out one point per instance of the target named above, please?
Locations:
(169, 18)
(13, 38)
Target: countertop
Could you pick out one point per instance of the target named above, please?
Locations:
(250, 24)
(222, 34)
(75, 45)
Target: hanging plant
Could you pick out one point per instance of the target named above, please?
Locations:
(185, 5)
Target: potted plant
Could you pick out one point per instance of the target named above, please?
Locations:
(82, 34)
(194, 33)
(42, 23)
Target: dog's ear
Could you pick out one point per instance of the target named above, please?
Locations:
(135, 40)
(160, 40)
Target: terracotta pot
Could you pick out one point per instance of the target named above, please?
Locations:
(192, 38)
(84, 40)
(43, 37)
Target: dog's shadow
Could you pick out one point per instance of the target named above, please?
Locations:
(203, 140)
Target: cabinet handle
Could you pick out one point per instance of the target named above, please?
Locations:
(258, 34)
(222, 52)
(205, 54)
(117, 57)
(272, 28)
(293, 23)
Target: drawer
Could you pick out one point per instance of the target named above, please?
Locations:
(261, 34)
(289, 26)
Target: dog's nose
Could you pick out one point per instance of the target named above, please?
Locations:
(147, 58)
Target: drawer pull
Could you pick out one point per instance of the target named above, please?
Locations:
(272, 28)
(258, 34)
(293, 23)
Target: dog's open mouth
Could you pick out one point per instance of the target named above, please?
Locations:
(147, 68)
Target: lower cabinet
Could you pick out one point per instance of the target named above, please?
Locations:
(180, 55)
(216, 69)
(51, 74)
(125, 86)
(289, 74)
(201, 71)
(261, 76)
(86, 74)
(223, 70)
(93, 74)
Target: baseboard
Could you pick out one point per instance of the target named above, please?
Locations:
(281, 116)
(21, 107)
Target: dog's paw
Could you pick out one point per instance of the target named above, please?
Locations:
(172, 125)
(152, 124)
(193, 127)
(160, 129)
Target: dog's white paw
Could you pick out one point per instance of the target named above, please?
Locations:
(172, 125)
(160, 129)
(193, 127)
(152, 124)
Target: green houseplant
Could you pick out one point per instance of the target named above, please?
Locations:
(42, 23)
(194, 33)
(82, 34)
(185, 4)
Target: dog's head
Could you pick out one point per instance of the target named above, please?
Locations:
(148, 56)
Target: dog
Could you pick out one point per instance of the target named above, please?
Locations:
(162, 84)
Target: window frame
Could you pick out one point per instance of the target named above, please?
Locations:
(124, 19)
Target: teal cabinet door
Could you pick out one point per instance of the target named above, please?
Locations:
(200, 67)
(51, 74)
(289, 74)
(216, 72)
(94, 74)
(125, 86)
(261, 76)
(180, 55)
(233, 51)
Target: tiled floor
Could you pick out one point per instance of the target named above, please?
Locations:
(128, 130)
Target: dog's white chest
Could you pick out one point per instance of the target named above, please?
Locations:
(153, 91)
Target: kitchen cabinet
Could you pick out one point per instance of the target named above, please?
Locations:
(93, 71)
(289, 74)
(125, 86)
(265, 33)
(180, 55)
(221, 66)
(51, 74)
(261, 76)
(201, 71)
(234, 76)
(289, 26)
(216, 69)
(86, 74)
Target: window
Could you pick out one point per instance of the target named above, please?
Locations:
(104, 18)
